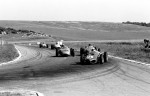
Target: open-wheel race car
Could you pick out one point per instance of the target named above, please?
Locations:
(43, 45)
(92, 56)
(65, 51)
(57, 45)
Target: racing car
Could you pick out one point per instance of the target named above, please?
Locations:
(94, 56)
(57, 45)
(65, 51)
(43, 45)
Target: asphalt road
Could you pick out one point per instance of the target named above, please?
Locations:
(39, 70)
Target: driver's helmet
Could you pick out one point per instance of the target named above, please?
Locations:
(92, 51)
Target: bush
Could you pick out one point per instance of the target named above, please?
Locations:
(138, 23)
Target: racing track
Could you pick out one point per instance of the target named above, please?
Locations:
(39, 70)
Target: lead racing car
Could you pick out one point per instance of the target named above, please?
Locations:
(92, 56)
(65, 51)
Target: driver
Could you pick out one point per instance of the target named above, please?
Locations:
(60, 42)
(58, 45)
(90, 47)
(94, 52)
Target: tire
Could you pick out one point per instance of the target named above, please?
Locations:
(52, 47)
(105, 57)
(99, 49)
(81, 51)
(81, 59)
(40, 45)
(101, 59)
(57, 52)
(72, 52)
(46, 45)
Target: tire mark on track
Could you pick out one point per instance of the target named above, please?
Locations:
(126, 73)
(37, 56)
(127, 76)
(86, 76)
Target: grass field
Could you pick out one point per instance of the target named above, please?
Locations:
(127, 50)
(83, 30)
(7, 53)
(92, 31)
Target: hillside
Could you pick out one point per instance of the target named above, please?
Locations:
(83, 30)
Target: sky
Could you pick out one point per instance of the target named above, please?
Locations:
(76, 10)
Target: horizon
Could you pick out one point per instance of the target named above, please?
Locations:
(116, 11)
(68, 21)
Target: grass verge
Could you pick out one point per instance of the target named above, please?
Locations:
(7, 53)
(127, 50)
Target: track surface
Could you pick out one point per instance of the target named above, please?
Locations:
(39, 70)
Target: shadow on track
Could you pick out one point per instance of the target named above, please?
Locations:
(61, 69)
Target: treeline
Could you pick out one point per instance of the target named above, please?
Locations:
(138, 23)
(14, 31)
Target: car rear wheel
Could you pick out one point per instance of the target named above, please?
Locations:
(99, 49)
(105, 56)
(101, 59)
(46, 45)
(81, 51)
(72, 52)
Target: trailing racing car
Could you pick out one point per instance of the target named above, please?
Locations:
(65, 51)
(43, 45)
(92, 56)
(57, 45)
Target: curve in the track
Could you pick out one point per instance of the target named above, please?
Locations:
(39, 69)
